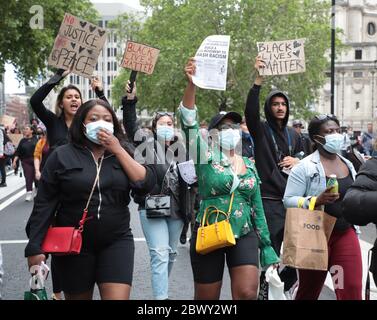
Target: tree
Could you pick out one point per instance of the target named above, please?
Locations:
(28, 48)
(179, 27)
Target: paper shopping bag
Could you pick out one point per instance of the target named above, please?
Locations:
(306, 237)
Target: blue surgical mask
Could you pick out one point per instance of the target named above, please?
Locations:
(92, 129)
(165, 133)
(333, 143)
(229, 138)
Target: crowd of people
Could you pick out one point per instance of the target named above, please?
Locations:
(250, 169)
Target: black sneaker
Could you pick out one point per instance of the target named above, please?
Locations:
(3, 185)
(183, 238)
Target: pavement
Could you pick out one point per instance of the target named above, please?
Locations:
(14, 213)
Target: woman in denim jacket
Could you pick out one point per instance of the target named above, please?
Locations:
(309, 179)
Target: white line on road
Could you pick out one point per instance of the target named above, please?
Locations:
(12, 199)
(26, 241)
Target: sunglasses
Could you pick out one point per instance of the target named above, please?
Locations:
(322, 117)
(165, 113)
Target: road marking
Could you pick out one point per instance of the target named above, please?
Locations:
(12, 199)
(26, 241)
(13, 241)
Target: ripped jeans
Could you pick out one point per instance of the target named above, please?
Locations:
(162, 235)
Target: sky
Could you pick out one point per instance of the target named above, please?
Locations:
(11, 83)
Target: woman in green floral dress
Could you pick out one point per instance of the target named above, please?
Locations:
(222, 172)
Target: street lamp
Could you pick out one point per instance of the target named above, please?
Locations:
(332, 56)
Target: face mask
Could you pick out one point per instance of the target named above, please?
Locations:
(333, 143)
(165, 133)
(229, 138)
(92, 129)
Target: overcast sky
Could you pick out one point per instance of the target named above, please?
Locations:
(11, 83)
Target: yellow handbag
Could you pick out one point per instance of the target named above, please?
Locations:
(214, 236)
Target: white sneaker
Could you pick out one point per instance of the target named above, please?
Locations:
(29, 196)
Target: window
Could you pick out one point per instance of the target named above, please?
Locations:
(108, 93)
(371, 28)
(115, 66)
(358, 54)
(357, 105)
(106, 23)
(77, 79)
(90, 93)
(100, 23)
(108, 80)
(97, 67)
(115, 52)
(108, 66)
(108, 52)
(71, 79)
(358, 74)
(115, 38)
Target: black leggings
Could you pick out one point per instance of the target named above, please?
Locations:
(28, 167)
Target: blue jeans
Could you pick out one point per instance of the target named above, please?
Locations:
(162, 235)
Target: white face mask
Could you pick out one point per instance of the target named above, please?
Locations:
(333, 143)
(92, 129)
(229, 138)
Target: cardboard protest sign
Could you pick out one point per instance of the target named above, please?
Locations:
(77, 44)
(7, 121)
(212, 63)
(282, 57)
(140, 57)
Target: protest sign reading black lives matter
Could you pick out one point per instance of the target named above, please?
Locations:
(282, 57)
(78, 44)
(139, 57)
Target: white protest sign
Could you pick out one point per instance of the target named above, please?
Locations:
(77, 44)
(187, 171)
(212, 63)
(282, 57)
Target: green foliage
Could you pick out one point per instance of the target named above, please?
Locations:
(26, 48)
(179, 27)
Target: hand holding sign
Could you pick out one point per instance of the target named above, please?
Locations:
(282, 57)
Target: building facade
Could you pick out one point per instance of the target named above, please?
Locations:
(356, 68)
(16, 105)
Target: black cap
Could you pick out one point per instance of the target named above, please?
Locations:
(236, 117)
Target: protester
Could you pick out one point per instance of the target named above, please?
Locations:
(106, 257)
(68, 102)
(2, 160)
(25, 152)
(309, 179)
(277, 149)
(360, 202)
(162, 234)
(305, 140)
(367, 139)
(40, 153)
(57, 124)
(222, 174)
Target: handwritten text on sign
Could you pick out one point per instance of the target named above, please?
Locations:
(78, 44)
(282, 57)
(139, 57)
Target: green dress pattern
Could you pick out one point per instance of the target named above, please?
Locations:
(215, 180)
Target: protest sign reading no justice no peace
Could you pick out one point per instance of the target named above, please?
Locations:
(77, 44)
(282, 57)
(140, 57)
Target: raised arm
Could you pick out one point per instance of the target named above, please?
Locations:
(252, 113)
(129, 113)
(36, 101)
(97, 87)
